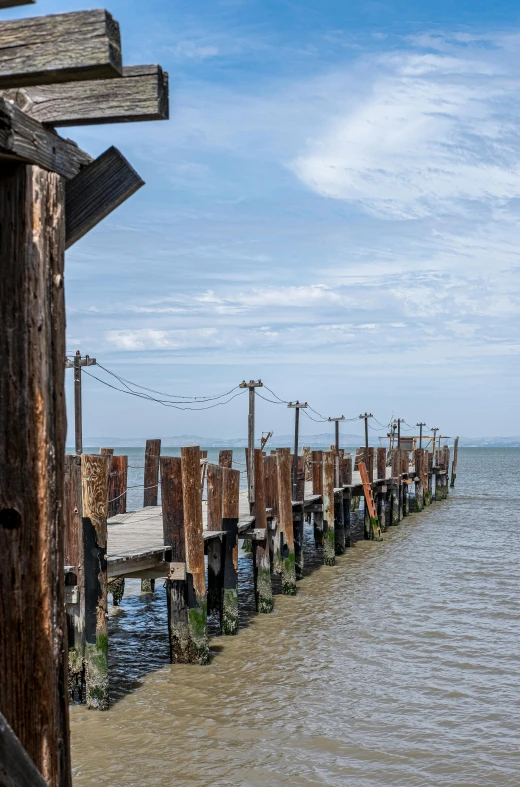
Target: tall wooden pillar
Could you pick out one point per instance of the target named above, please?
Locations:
(216, 546)
(33, 670)
(230, 513)
(454, 463)
(329, 545)
(317, 489)
(262, 563)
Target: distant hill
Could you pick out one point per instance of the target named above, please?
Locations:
(317, 440)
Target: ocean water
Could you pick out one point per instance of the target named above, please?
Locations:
(398, 666)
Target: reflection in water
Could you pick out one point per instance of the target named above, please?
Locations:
(396, 667)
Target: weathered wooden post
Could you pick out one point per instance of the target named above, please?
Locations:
(370, 465)
(419, 489)
(216, 546)
(285, 521)
(73, 557)
(271, 501)
(262, 562)
(225, 458)
(347, 494)
(151, 472)
(347, 472)
(117, 486)
(94, 480)
(329, 539)
(381, 463)
(230, 513)
(339, 523)
(173, 537)
(151, 490)
(306, 454)
(317, 489)
(454, 463)
(33, 648)
(298, 515)
(195, 569)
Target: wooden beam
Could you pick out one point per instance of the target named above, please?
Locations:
(32, 450)
(26, 140)
(16, 767)
(59, 48)
(230, 513)
(13, 3)
(141, 94)
(91, 196)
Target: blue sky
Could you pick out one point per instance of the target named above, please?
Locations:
(333, 206)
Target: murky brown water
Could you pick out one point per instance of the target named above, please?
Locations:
(399, 666)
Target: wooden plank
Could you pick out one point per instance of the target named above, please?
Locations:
(198, 647)
(94, 481)
(122, 565)
(13, 3)
(25, 139)
(141, 94)
(59, 48)
(151, 472)
(329, 550)
(16, 767)
(32, 450)
(230, 514)
(97, 191)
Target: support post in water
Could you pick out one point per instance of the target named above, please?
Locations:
(347, 517)
(195, 569)
(298, 515)
(75, 611)
(151, 491)
(317, 489)
(339, 525)
(216, 546)
(285, 520)
(94, 480)
(225, 458)
(271, 501)
(173, 537)
(117, 488)
(261, 559)
(329, 541)
(230, 513)
(454, 463)
(418, 472)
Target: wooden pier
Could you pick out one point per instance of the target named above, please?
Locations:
(191, 539)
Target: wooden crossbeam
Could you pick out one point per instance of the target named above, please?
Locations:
(12, 3)
(96, 191)
(59, 48)
(141, 94)
(25, 139)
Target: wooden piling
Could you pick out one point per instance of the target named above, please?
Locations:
(370, 465)
(381, 463)
(298, 515)
(306, 454)
(317, 489)
(151, 472)
(230, 513)
(173, 536)
(300, 480)
(329, 542)
(271, 501)
(454, 463)
(339, 526)
(261, 559)
(94, 480)
(225, 458)
(418, 470)
(73, 556)
(347, 517)
(216, 546)
(198, 647)
(285, 521)
(33, 696)
(117, 486)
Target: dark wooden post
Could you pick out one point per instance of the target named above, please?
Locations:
(195, 568)
(216, 546)
(33, 696)
(339, 525)
(262, 562)
(106, 451)
(381, 463)
(454, 463)
(298, 515)
(225, 458)
(117, 486)
(317, 489)
(94, 481)
(370, 465)
(285, 520)
(173, 536)
(271, 501)
(347, 494)
(348, 470)
(230, 513)
(329, 548)
(72, 511)
(151, 472)
(419, 489)
(300, 479)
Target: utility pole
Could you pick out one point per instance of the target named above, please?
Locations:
(297, 406)
(391, 434)
(252, 384)
(366, 416)
(336, 458)
(420, 433)
(77, 364)
(399, 432)
(435, 429)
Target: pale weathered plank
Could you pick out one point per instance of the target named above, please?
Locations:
(59, 48)
(141, 94)
(25, 139)
(93, 194)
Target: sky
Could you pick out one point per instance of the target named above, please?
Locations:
(333, 207)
